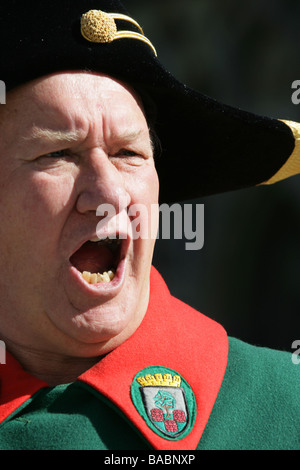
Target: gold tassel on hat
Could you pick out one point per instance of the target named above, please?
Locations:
(100, 27)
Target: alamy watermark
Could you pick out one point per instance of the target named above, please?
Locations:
(177, 221)
(296, 353)
(296, 93)
(2, 92)
(2, 353)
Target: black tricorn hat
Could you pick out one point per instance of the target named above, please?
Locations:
(207, 147)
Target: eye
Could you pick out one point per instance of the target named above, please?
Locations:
(127, 153)
(127, 158)
(56, 154)
(58, 157)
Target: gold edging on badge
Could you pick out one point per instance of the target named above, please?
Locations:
(100, 27)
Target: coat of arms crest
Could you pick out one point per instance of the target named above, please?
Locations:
(165, 402)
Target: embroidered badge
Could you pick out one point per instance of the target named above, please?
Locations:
(165, 401)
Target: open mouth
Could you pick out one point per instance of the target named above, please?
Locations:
(98, 260)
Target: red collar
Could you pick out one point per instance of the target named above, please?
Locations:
(172, 335)
(16, 386)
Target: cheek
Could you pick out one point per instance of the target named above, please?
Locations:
(33, 211)
(144, 186)
(47, 198)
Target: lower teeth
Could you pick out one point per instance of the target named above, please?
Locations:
(95, 278)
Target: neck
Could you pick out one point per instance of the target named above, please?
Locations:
(52, 368)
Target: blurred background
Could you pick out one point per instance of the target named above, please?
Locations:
(245, 54)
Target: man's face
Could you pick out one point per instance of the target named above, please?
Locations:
(70, 143)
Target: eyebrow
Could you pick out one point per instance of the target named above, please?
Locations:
(54, 136)
(129, 135)
(135, 134)
(71, 136)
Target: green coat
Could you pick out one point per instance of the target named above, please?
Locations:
(178, 383)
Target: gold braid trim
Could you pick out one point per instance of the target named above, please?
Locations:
(292, 165)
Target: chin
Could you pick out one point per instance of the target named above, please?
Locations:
(103, 324)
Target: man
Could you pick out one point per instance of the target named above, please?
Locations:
(57, 198)
(99, 354)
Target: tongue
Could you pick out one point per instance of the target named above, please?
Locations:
(93, 258)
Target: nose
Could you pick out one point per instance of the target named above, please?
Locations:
(100, 182)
